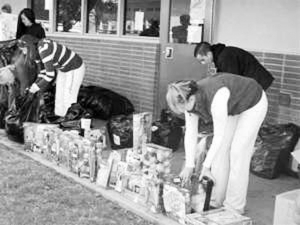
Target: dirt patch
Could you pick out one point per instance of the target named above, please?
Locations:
(32, 194)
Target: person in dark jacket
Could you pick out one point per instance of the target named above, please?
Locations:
(233, 60)
(28, 25)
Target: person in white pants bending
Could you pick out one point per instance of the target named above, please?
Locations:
(237, 107)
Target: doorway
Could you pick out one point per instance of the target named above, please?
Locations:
(183, 24)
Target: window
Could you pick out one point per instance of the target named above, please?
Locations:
(68, 16)
(41, 13)
(102, 16)
(141, 18)
(186, 21)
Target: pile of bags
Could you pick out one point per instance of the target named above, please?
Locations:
(273, 148)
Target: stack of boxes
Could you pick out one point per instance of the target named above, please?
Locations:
(142, 173)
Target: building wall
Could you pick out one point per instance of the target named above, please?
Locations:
(16, 5)
(263, 25)
(284, 94)
(268, 29)
(128, 68)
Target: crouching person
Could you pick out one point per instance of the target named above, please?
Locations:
(54, 57)
(237, 107)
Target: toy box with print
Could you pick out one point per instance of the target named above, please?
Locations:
(36, 134)
(287, 208)
(217, 217)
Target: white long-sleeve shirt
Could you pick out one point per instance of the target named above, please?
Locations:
(219, 112)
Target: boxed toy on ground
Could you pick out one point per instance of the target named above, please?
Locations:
(177, 201)
(141, 130)
(217, 217)
(36, 136)
(287, 208)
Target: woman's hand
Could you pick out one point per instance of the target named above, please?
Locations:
(206, 173)
(34, 88)
(186, 174)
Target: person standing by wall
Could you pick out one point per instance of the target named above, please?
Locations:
(233, 60)
(236, 106)
(55, 57)
(28, 25)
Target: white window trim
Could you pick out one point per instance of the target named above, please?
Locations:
(83, 34)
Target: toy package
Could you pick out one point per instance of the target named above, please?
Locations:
(115, 157)
(121, 173)
(103, 174)
(217, 217)
(177, 201)
(141, 130)
(96, 136)
(34, 135)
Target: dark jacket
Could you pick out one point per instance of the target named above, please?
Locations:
(244, 94)
(238, 61)
(35, 30)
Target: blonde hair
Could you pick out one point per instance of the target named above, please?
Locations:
(178, 94)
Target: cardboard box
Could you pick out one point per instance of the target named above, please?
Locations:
(286, 211)
(217, 217)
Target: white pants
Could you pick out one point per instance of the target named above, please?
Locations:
(231, 164)
(67, 88)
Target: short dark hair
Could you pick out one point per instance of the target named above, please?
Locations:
(6, 8)
(202, 48)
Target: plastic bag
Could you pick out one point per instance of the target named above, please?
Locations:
(104, 103)
(120, 131)
(26, 109)
(168, 130)
(273, 148)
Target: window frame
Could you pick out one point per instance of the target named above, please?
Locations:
(83, 34)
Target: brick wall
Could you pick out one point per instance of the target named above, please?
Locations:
(132, 69)
(284, 94)
(128, 68)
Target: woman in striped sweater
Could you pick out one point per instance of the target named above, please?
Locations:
(53, 58)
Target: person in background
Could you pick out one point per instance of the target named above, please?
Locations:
(28, 25)
(236, 106)
(233, 60)
(6, 8)
(153, 30)
(54, 57)
(179, 33)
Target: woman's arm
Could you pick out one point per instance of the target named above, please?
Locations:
(190, 138)
(190, 143)
(219, 111)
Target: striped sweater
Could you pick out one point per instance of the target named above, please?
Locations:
(54, 56)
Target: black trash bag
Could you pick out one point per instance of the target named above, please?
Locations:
(76, 112)
(26, 109)
(167, 131)
(3, 104)
(7, 51)
(46, 113)
(120, 131)
(104, 103)
(272, 150)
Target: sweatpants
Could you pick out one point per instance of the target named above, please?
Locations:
(231, 164)
(67, 88)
